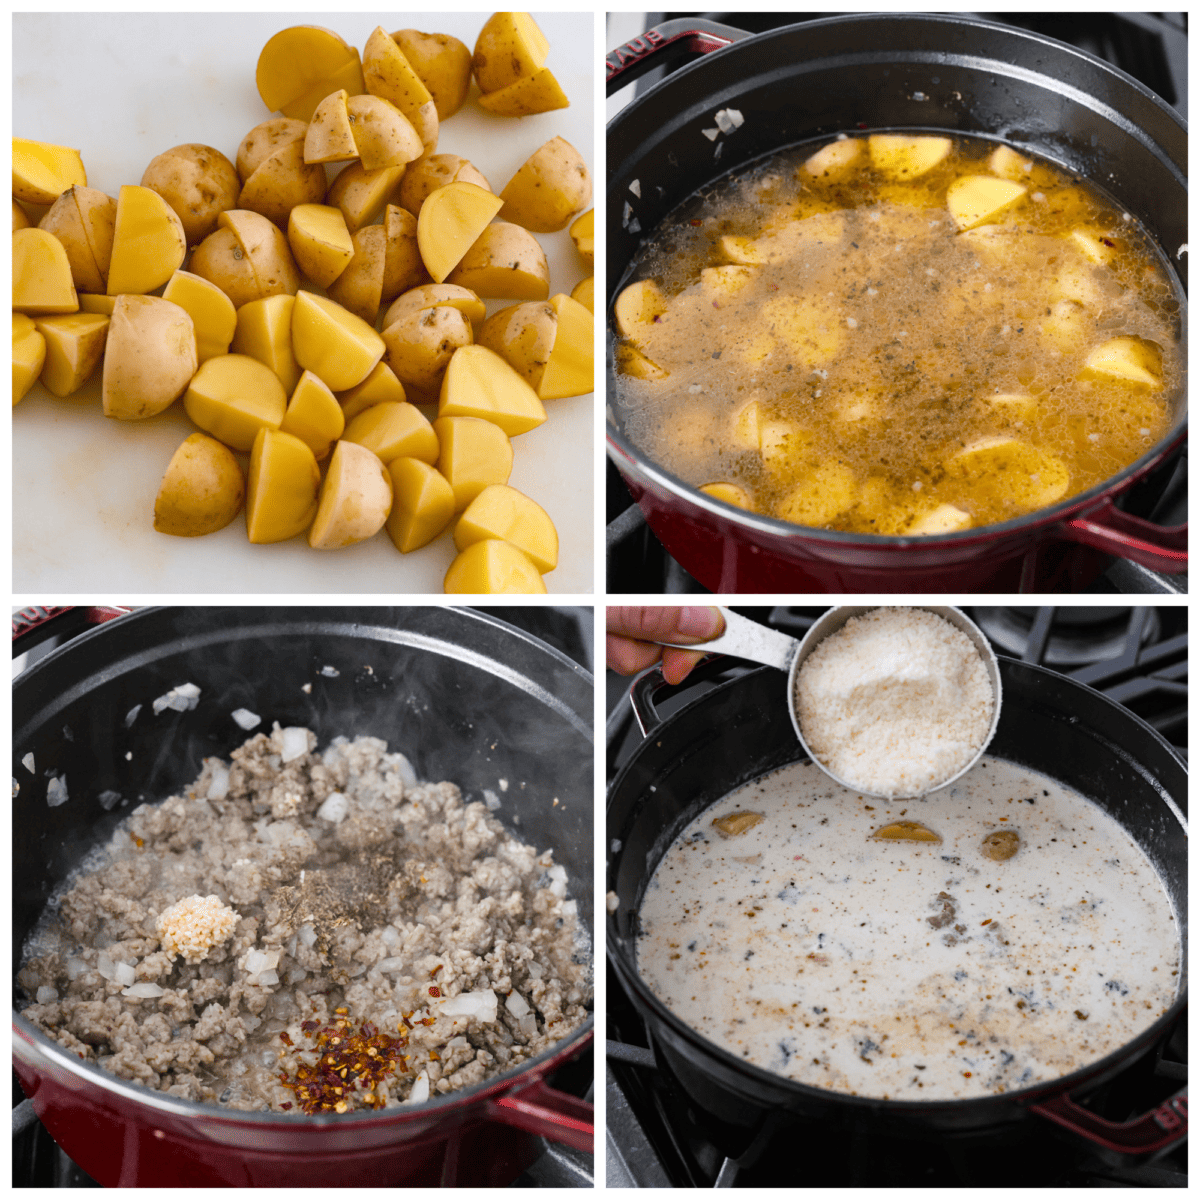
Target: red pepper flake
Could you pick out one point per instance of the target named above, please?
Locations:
(987, 922)
(695, 221)
(433, 1056)
(286, 1105)
(435, 970)
(283, 1037)
(435, 991)
(966, 1074)
(137, 841)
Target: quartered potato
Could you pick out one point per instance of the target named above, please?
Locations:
(902, 158)
(201, 491)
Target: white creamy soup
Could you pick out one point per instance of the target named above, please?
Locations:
(821, 943)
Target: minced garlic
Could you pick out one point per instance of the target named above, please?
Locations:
(194, 925)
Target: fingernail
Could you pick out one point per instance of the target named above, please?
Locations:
(699, 622)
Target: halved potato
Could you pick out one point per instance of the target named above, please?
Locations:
(41, 171)
(202, 489)
(828, 490)
(300, 66)
(248, 258)
(493, 568)
(422, 504)
(903, 157)
(449, 224)
(280, 183)
(314, 415)
(74, 346)
(945, 518)
(1007, 474)
(383, 135)
(213, 316)
(233, 397)
(549, 188)
(281, 493)
(355, 499)
(394, 430)
(472, 454)
(149, 357)
(41, 274)
(500, 511)
(359, 288)
(504, 263)
(443, 64)
(28, 354)
(549, 344)
(149, 244)
(479, 383)
(509, 47)
(1129, 360)
(639, 304)
(832, 163)
(332, 342)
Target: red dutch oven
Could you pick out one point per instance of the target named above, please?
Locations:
(872, 71)
(464, 695)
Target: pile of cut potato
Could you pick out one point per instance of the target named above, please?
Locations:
(318, 301)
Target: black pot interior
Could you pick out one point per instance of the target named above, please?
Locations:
(740, 731)
(464, 696)
(894, 70)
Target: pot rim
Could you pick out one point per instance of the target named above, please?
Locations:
(176, 1106)
(1093, 1072)
(620, 449)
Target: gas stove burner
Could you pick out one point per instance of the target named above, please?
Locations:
(1067, 636)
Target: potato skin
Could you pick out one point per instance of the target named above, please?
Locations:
(442, 63)
(66, 219)
(266, 139)
(549, 189)
(149, 359)
(198, 182)
(202, 490)
(262, 266)
(433, 171)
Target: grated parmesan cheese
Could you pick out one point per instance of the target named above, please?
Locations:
(896, 702)
(194, 925)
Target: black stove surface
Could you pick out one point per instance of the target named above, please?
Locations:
(1152, 47)
(1136, 656)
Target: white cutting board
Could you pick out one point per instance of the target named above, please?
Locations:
(122, 88)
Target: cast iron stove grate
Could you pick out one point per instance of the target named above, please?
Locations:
(1137, 656)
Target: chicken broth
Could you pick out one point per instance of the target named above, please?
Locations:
(898, 335)
(999, 933)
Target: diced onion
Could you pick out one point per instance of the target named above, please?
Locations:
(109, 800)
(528, 1025)
(46, 995)
(56, 792)
(308, 935)
(334, 808)
(491, 800)
(218, 784)
(558, 880)
(295, 743)
(516, 1004)
(125, 974)
(143, 991)
(181, 699)
(330, 672)
(27, 763)
(404, 769)
(387, 965)
(480, 1004)
(245, 718)
(106, 966)
(131, 715)
(76, 967)
(570, 908)
(420, 1089)
(268, 979)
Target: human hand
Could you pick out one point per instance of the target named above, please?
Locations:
(628, 651)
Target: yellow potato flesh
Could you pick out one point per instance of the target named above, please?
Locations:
(582, 234)
(747, 423)
(379, 386)
(500, 511)
(537, 93)
(329, 137)
(638, 304)
(361, 194)
(828, 490)
(338, 347)
(41, 171)
(28, 354)
(633, 362)
(388, 75)
(1127, 360)
(321, 241)
(443, 64)
(451, 220)
(212, 312)
(522, 335)
(472, 454)
(149, 244)
(422, 504)
(281, 491)
(201, 491)
(233, 397)
(383, 135)
(834, 162)
(493, 568)
(1067, 327)
(314, 415)
(1008, 473)
(724, 283)
(731, 493)
(74, 345)
(264, 332)
(1014, 406)
(20, 219)
(585, 292)
(903, 158)
(300, 66)
(570, 370)
(975, 200)
(946, 518)
(433, 171)
(41, 274)
(1095, 245)
(509, 46)
(149, 357)
(392, 430)
(549, 188)
(479, 383)
(504, 263)
(355, 499)
(91, 302)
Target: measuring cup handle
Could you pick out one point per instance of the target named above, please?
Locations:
(744, 638)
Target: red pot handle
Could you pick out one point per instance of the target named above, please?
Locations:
(1152, 1131)
(665, 43)
(34, 624)
(1155, 547)
(551, 1114)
